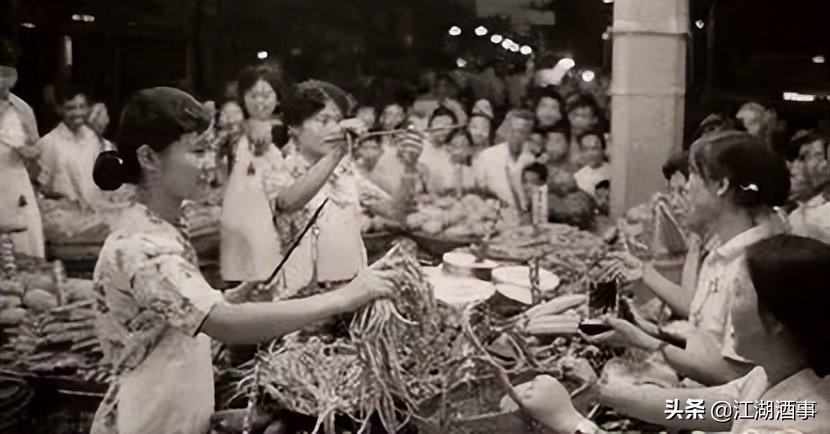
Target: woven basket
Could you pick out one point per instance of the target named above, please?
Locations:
(472, 408)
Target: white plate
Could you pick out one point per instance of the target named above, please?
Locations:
(520, 275)
(515, 292)
(458, 290)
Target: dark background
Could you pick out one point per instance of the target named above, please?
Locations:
(747, 49)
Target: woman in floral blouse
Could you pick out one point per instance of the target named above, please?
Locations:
(332, 252)
(157, 311)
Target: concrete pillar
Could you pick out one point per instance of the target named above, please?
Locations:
(647, 95)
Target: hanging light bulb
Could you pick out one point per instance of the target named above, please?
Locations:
(818, 59)
(700, 24)
(588, 76)
(507, 43)
(496, 39)
(566, 63)
(481, 30)
(460, 62)
(262, 55)
(455, 31)
(526, 50)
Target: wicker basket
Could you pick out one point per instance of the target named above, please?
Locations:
(472, 408)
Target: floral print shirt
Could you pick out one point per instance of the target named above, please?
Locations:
(333, 250)
(154, 303)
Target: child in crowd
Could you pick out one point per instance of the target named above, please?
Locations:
(602, 194)
(534, 189)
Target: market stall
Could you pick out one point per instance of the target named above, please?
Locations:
(75, 235)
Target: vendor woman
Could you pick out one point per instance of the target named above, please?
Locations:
(250, 246)
(157, 312)
(331, 253)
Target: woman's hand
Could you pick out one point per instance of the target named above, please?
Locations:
(625, 334)
(366, 287)
(650, 274)
(547, 401)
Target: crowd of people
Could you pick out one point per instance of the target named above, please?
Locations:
(300, 165)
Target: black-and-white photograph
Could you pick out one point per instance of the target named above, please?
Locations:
(414, 216)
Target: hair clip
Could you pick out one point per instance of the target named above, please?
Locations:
(752, 187)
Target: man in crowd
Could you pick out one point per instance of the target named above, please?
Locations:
(68, 152)
(595, 169)
(812, 218)
(497, 169)
(583, 116)
(18, 134)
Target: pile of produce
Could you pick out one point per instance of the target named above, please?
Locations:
(202, 217)
(57, 341)
(565, 250)
(451, 217)
(395, 353)
(64, 222)
(49, 321)
(372, 224)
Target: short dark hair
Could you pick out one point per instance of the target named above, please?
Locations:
(790, 276)
(580, 100)
(603, 184)
(594, 132)
(155, 117)
(539, 169)
(676, 163)
(65, 90)
(561, 127)
(442, 111)
(537, 93)
(757, 176)
(812, 136)
(8, 53)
